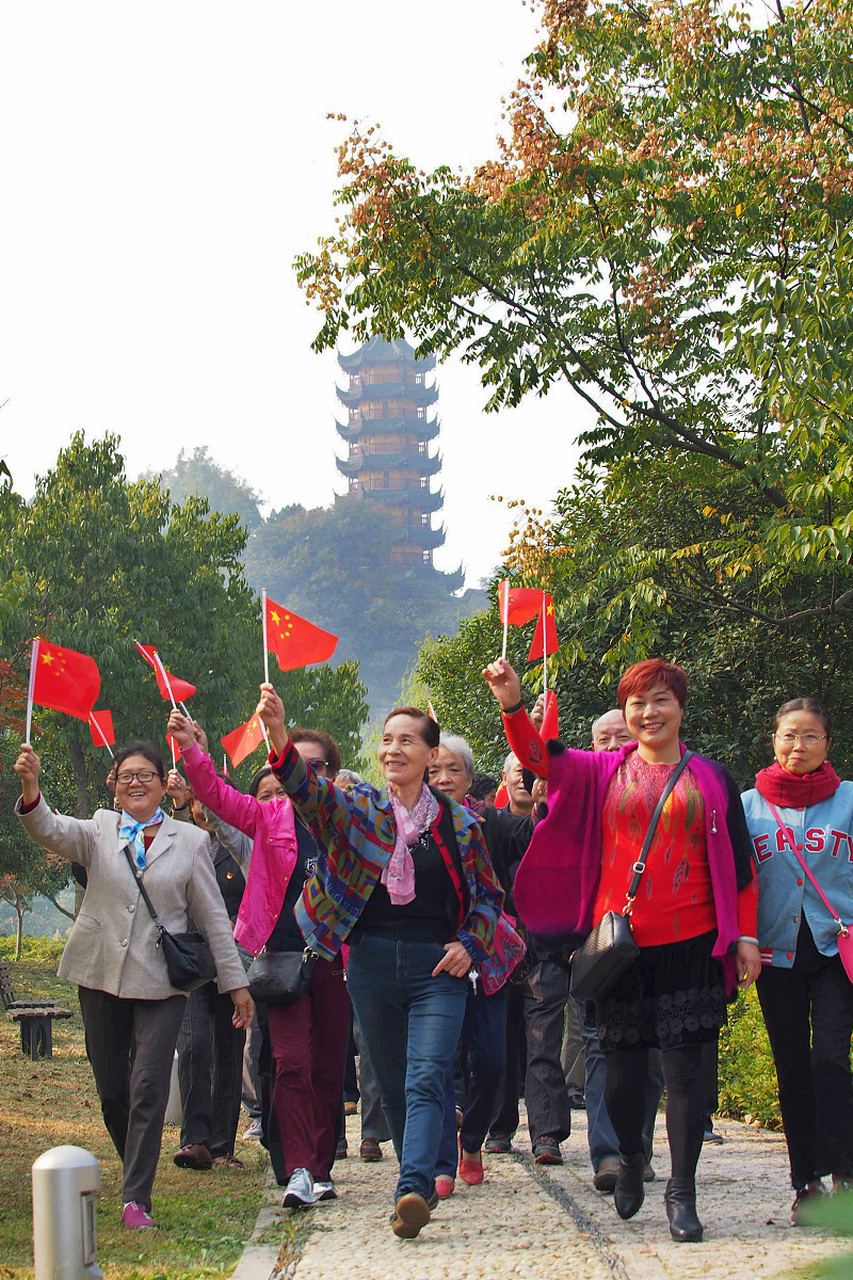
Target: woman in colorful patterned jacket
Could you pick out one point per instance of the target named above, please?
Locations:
(693, 918)
(406, 881)
(801, 806)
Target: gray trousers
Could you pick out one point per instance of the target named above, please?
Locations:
(572, 1057)
(210, 1059)
(545, 993)
(131, 1046)
(373, 1122)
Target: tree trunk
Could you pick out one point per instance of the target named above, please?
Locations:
(78, 760)
(19, 935)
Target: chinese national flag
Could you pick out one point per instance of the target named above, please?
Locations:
(295, 642)
(181, 689)
(103, 721)
(241, 742)
(524, 603)
(552, 644)
(501, 797)
(550, 728)
(174, 748)
(64, 680)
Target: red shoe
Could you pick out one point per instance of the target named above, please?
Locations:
(471, 1167)
(444, 1186)
(135, 1217)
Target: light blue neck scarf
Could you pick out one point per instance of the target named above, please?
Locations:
(130, 832)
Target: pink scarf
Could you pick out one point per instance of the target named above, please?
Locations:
(398, 874)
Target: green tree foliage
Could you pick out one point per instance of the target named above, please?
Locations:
(667, 228)
(201, 476)
(100, 562)
(333, 566)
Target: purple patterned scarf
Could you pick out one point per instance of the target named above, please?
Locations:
(398, 874)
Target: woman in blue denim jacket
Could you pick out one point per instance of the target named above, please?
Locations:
(800, 806)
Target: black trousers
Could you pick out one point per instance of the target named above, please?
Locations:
(808, 1010)
(210, 1070)
(686, 1080)
(131, 1046)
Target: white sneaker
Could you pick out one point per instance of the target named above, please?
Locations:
(300, 1190)
(325, 1190)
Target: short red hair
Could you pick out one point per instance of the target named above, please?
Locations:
(645, 675)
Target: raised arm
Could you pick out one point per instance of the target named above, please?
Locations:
(70, 838)
(318, 800)
(240, 810)
(524, 740)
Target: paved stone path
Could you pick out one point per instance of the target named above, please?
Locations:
(549, 1224)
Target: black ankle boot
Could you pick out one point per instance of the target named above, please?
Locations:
(629, 1191)
(680, 1201)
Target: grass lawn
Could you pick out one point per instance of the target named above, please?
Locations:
(204, 1218)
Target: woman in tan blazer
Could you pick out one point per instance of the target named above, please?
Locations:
(131, 1013)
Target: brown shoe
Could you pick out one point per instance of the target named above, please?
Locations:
(227, 1162)
(350, 1108)
(196, 1155)
(370, 1150)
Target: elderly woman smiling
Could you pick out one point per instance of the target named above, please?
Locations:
(131, 1013)
(800, 806)
(404, 877)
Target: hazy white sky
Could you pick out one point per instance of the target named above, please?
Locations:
(162, 164)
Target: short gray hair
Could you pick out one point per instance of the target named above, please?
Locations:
(511, 759)
(348, 775)
(459, 747)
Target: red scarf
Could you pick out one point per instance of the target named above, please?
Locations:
(794, 792)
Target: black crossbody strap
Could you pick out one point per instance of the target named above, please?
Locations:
(640, 865)
(142, 889)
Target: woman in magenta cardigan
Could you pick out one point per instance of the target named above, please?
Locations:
(308, 1037)
(693, 918)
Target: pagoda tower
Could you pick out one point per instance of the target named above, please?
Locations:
(389, 433)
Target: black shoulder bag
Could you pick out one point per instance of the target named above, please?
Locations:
(189, 960)
(601, 960)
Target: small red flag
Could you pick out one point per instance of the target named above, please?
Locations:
(181, 689)
(552, 644)
(501, 797)
(174, 748)
(524, 603)
(295, 642)
(241, 742)
(550, 728)
(64, 680)
(103, 721)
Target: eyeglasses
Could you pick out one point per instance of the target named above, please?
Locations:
(141, 775)
(317, 764)
(807, 739)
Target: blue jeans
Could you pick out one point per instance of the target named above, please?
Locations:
(484, 1057)
(410, 1022)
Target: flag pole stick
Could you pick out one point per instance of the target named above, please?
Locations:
(544, 649)
(505, 585)
(172, 745)
(266, 737)
(34, 657)
(183, 707)
(164, 673)
(266, 645)
(101, 735)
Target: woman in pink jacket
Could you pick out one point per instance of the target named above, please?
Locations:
(308, 1037)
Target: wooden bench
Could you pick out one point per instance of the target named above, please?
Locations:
(34, 1017)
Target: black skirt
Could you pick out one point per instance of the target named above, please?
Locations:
(672, 995)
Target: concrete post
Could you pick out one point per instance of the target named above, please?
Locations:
(66, 1181)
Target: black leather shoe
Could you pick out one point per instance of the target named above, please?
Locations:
(680, 1201)
(629, 1191)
